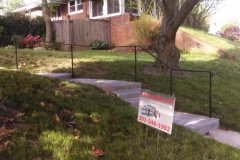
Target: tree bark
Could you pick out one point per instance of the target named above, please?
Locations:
(47, 18)
(172, 18)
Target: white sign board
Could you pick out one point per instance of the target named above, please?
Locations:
(156, 110)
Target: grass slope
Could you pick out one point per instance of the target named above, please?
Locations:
(64, 120)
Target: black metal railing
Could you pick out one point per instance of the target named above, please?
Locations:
(179, 70)
(135, 66)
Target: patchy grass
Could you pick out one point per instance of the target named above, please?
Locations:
(225, 44)
(192, 91)
(53, 119)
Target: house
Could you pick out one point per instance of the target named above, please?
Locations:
(119, 13)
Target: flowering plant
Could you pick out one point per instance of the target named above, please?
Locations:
(30, 41)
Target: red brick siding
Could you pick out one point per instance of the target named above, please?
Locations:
(122, 30)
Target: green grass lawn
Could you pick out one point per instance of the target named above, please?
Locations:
(64, 120)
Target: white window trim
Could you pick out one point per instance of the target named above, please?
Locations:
(76, 12)
(105, 15)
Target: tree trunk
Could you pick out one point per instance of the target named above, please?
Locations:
(47, 18)
(173, 17)
(167, 52)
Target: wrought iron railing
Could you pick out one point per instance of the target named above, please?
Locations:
(135, 75)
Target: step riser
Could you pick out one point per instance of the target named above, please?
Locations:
(127, 95)
(124, 87)
(199, 124)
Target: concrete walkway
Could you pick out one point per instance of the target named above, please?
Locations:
(130, 93)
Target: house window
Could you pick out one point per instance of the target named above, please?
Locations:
(58, 14)
(75, 6)
(113, 6)
(105, 8)
(131, 6)
(97, 8)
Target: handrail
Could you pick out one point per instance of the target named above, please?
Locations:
(180, 70)
(135, 50)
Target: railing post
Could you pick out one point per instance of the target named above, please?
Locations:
(135, 51)
(15, 41)
(71, 48)
(210, 94)
(170, 82)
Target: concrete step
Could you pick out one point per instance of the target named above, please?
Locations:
(131, 93)
(134, 102)
(197, 123)
(124, 86)
(63, 76)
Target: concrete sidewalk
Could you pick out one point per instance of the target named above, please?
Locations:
(225, 136)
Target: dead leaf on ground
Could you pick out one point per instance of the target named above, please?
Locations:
(96, 151)
(5, 144)
(4, 131)
(67, 111)
(19, 115)
(6, 119)
(42, 104)
(57, 118)
(89, 116)
(104, 133)
(95, 120)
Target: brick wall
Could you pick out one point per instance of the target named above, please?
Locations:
(122, 30)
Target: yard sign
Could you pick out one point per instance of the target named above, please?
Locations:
(156, 110)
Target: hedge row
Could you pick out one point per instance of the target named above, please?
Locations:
(20, 25)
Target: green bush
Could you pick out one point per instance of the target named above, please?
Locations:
(146, 30)
(98, 44)
(16, 24)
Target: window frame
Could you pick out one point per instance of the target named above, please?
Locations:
(75, 6)
(105, 10)
(56, 16)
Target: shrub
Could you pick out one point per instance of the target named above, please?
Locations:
(98, 44)
(53, 46)
(30, 41)
(146, 30)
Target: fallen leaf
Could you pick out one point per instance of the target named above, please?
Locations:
(57, 118)
(67, 111)
(75, 131)
(5, 144)
(4, 131)
(104, 133)
(95, 120)
(19, 115)
(96, 151)
(42, 104)
(90, 116)
(8, 120)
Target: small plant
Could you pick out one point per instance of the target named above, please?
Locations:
(30, 41)
(98, 44)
